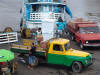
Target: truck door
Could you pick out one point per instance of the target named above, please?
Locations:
(77, 34)
(57, 55)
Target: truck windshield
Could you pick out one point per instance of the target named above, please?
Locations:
(85, 30)
(67, 46)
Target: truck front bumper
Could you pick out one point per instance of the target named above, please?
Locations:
(92, 61)
(93, 45)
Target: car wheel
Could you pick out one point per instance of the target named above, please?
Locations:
(81, 46)
(77, 67)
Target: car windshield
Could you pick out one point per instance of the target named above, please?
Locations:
(90, 30)
(67, 46)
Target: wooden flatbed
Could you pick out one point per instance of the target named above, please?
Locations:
(25, 49)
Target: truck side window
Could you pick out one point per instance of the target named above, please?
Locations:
(57, 47)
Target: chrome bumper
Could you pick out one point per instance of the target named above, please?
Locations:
(93, 45)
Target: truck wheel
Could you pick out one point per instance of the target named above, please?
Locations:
(72, 38)
(81, 46)
(77, 67)
(68, 33)
(8, 29)
(36, 61)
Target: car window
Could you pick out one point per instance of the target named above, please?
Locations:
(57, 47)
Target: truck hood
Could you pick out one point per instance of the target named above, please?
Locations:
(92, 36)
(73, 52)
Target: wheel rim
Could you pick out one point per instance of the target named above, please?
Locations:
(76, 67)
(72, 37)
(36, 62)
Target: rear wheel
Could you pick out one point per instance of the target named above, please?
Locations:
(36, 61)
(82, 46)
(77, 67)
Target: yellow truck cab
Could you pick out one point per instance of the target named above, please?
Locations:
(59, 52)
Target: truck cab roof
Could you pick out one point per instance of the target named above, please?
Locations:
(87, 25)
(60, 41)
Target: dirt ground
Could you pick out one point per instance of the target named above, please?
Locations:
(46, 69)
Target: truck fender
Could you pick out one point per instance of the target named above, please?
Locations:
(76, 64)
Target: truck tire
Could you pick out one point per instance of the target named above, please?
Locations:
(36, 61)
(72, 37)
(81, 45)
(8, 29)
(77, 67)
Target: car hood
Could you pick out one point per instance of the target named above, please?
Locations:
(92, 36)
(78, 53)
(6, 55)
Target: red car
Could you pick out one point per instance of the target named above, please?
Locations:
(86, 34)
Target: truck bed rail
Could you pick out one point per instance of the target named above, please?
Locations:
(8, 37)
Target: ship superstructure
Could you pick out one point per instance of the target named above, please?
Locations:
(35, 11)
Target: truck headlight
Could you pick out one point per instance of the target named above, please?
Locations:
(87, 42)
(86, 61)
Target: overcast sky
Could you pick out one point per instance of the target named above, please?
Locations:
(10, 16)
(9, 13)
(81, 7)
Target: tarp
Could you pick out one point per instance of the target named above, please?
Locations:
(28, 9)
(6, 55)
(67, 9)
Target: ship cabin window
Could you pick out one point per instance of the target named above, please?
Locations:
(57, 9)
(50, 8)
(55, 0)
(32, 0)
(46, 8)
(35, 8)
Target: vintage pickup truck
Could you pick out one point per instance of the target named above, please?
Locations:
(85, 33)
(58, 52)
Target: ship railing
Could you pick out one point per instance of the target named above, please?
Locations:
(56, 1)
(43, 1)
(39, 16)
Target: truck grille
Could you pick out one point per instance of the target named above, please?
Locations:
(89, 59)
(93, 41)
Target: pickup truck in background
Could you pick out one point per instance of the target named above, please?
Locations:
(58, 52)
(85, 33)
